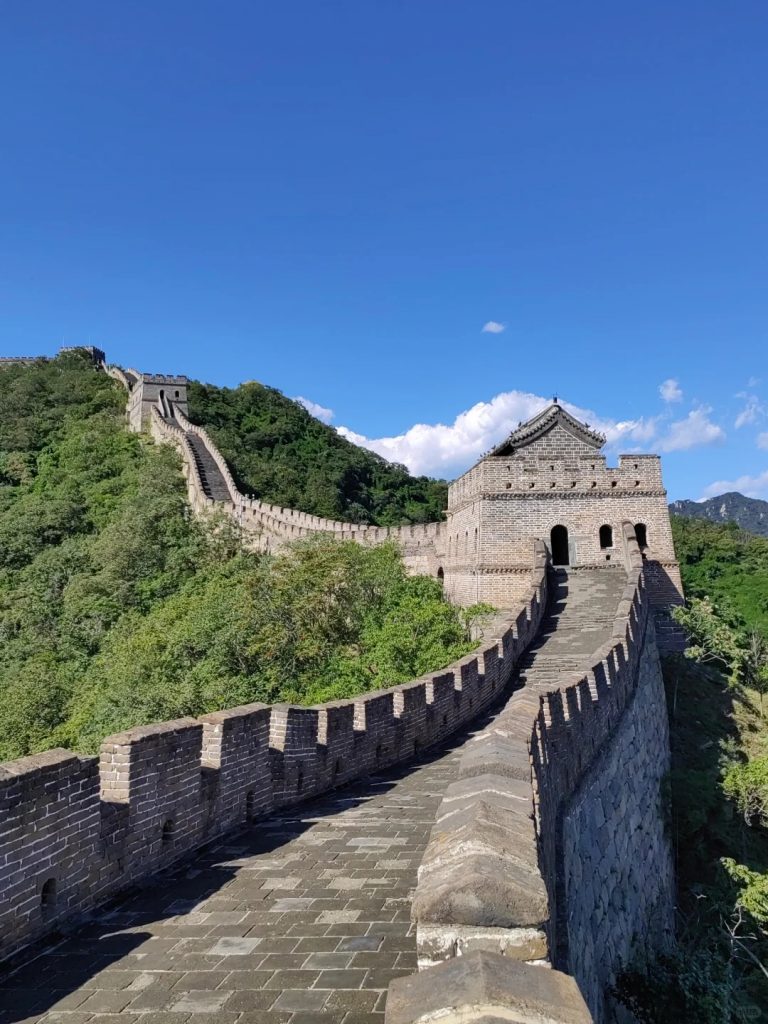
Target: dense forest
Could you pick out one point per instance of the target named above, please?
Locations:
(118, 609)
(719, 788)
(281, 454)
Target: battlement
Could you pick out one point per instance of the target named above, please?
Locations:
(22, 360)
(76, 830)
(169, 379)
(519, 476)
(98, 356)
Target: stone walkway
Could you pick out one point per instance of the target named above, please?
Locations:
(302, 919)
(580, 618)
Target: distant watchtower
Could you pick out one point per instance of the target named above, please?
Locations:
(549, 480)
(147, 389)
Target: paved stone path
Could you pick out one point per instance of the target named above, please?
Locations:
(302, 919)
(305, 917)
(580, 618)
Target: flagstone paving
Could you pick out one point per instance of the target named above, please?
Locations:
(304, 917)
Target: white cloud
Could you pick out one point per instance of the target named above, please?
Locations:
(762, 440)
(318, 411)
(443, 449)
(493, 327)
(753, 410)
(670, 390)
(752, 486)
(696, 429)
(753, 382)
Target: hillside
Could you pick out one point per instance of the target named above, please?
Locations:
(117, 608)
(727, 564)
(748, 513)
(281, 454)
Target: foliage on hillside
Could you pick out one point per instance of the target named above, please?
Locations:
(727, 564)
(118, 609)
(719, 789)
(281, 454)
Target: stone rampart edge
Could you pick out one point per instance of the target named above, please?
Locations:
(487, 879)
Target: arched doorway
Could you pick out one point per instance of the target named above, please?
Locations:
(441, 575)
(559, 545)
(641, 534)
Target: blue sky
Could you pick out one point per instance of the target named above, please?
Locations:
(335, 198)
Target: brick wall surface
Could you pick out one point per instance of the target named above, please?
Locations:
(617, 862)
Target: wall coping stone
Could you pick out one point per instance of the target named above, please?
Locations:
(482, 986)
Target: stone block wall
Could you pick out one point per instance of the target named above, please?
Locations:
(155, 773)
(506, 521)
(50, 845)
(511, 866)
(617, 866)
(76, 830)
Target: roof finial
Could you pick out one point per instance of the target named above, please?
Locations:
(554, 399)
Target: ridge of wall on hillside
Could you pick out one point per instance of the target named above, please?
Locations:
(218, 458)
(117, 374)
(76, 830)
(166, 432)
(492, 877)
(270, 526)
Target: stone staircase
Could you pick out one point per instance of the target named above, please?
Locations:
(579, 619)
(211, 477)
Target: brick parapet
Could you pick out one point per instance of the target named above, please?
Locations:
(489, 876)
(76, 830)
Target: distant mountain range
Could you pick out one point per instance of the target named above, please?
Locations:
(750, 513)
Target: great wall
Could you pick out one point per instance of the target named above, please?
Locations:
(487, 841)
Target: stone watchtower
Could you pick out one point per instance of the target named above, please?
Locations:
(549, 480)
(148, 389)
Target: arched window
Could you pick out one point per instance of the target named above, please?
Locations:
(559, 545)
(642, 536)
(441, 574)
(606, 536)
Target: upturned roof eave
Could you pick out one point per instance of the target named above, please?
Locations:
(542, 422)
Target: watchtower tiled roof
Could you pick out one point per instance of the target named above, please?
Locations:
(554, 415)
